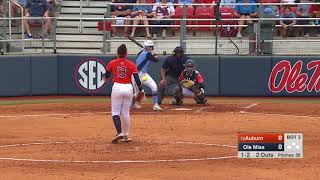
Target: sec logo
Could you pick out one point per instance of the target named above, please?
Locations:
(89, 75)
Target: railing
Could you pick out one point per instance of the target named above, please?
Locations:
(107, 41)
(10, 22)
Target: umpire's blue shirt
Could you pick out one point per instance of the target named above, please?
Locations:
(174, 66)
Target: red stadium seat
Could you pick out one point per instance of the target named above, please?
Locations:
(100, 26)
(204, 13)
(227, 13)
(179, 14)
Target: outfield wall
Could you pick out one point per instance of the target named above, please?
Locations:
(223, 75)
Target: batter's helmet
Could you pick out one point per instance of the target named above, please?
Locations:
(148, 43)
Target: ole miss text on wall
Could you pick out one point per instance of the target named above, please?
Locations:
(295, 77)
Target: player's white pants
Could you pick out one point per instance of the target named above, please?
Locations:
(121, 98)
(186, 92)
(147, 80)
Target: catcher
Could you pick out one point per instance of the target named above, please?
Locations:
(191, 84)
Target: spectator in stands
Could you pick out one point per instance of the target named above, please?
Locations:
(141, 12)
(122, 15)
(245, 13)
(130, 1)
(288, 1)
(53, 5)
(287, 25)
(37, 8)
(271, 9)
(315, 12)
(170, 1)
(23, 3)
(165, 10)
(303, 11)
(228, 2)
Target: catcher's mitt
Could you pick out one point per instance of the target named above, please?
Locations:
(186, 83)
(141, 95)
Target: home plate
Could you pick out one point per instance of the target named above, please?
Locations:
(182, 109)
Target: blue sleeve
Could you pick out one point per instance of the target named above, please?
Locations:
(129, 7)
(113, 8)
(237, 8)
(151, 57)
(149, 9)
(293, 15)
(135, 8)
(254, 9)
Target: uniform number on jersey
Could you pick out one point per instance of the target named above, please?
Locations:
(122, 71)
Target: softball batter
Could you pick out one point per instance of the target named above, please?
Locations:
(122, 91)
(142, 61)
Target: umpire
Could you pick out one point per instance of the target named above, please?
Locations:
(171, 70)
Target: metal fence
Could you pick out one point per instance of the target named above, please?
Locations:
(70, 34)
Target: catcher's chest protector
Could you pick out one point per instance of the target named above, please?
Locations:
(193, 77)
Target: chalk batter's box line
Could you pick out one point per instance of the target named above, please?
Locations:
(113, 161)
(80, 142)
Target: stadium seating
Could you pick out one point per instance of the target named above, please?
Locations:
(204, 1)
(204, 13)
(227, 13)
(108, 26)
(179, 14)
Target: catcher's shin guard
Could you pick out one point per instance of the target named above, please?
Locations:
(177, 94)
(199, 95)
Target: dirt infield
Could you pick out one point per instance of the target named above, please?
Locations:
(69, 138)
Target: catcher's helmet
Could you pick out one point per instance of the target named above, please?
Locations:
(190, 67)
(189, 63)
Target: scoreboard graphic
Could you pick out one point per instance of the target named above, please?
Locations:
(270, 145)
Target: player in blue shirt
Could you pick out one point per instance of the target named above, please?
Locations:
(142, 61)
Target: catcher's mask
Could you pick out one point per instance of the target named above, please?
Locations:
(190, 67)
